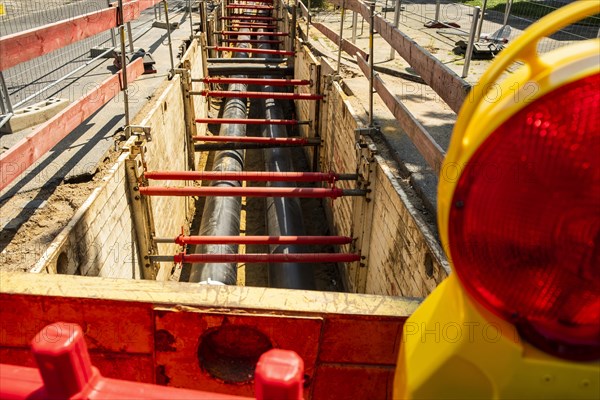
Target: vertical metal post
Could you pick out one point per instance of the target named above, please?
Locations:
(141, 217)
(188, 114)
(371, 56)
(166, 5)
(281, 14)
(339, 56)
(437, 10)
(480, 25)
(307, 19)
(203, 21)
(293, 27)
(5, 101)
(469, 52)
(354, 23)
(130, 37)
(396, 22)
(362, 26)
(507, 11)
(124, 67)
(113, 38)
(191, 22)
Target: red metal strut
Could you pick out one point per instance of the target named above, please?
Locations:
(299, 240)
(259, 81)
(258, 1)
(237, 33)
(258, 140)
(257, 51)
(256, 41)
(252, 25)
(253, 176)
(248, 121)
(260, 95)
(249, 17)
(260, 258)
(333, 193)
(248, 7)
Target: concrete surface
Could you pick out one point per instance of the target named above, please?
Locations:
(77, 157)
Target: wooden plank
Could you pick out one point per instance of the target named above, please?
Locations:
(347, 46)
(349, 382)
(233, 297)
(28, 150)
(445, 82)
(181, 335)
(372, 340)
(427, 146)
(29, 44)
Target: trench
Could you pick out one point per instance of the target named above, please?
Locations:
(270, 216)
(253, 210)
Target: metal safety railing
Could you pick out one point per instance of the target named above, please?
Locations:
(51, 73)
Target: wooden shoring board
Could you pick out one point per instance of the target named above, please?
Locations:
(28, 150)
(445, 82)
(35, 42)
(151, 331)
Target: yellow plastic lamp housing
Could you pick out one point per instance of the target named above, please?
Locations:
(519, 217)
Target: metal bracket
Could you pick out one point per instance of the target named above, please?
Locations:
(365, 131)
(143, 132)
(365, 153)
(141, 210)
(188, 113)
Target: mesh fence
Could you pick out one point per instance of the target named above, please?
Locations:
(500, 20)
(25, 80)
(522, 14)
(44, 77)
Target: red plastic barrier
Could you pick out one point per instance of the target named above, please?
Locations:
(66, 372)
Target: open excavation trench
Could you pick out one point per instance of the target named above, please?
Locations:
(253, 212)
(275, 217)
(140, 225)
(247, 228)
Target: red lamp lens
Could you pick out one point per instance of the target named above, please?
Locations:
(524, 226)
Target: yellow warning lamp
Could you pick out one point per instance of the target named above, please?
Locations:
(519, 218)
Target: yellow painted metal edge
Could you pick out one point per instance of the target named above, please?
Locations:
(483, 111)
(454, 348)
